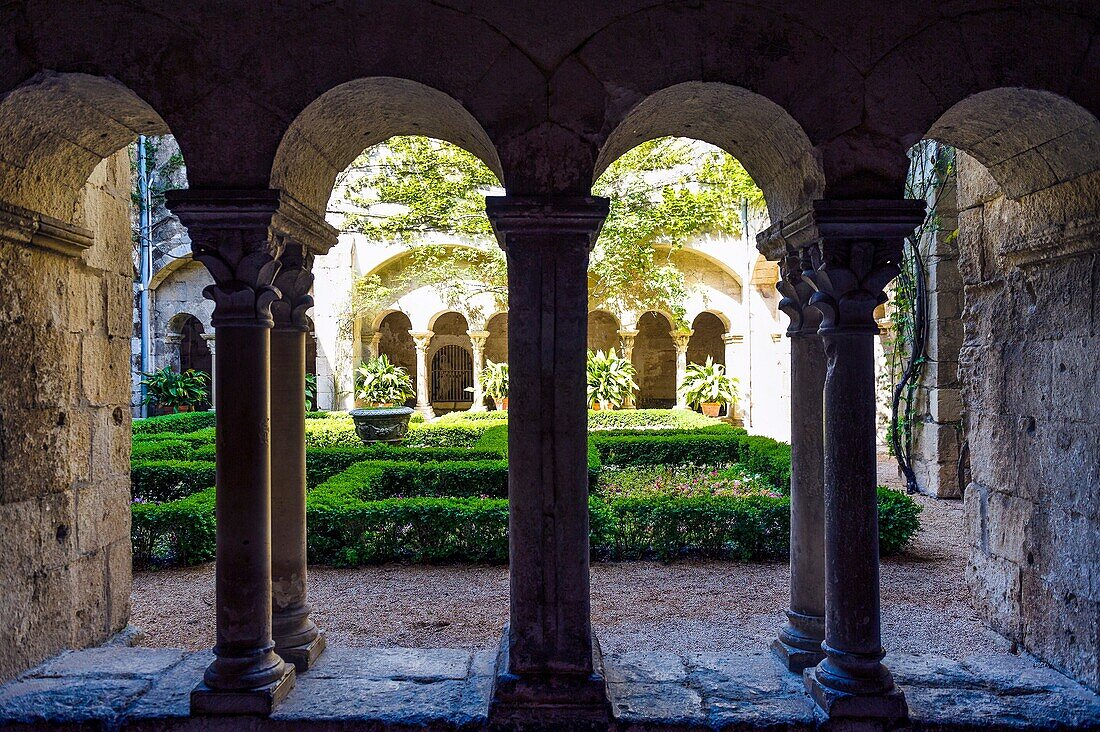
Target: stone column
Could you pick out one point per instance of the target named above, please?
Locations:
(421, 340)
(626, 337)
(477, 343)
(680, 339)
(172, 355)
(211, 343)
(854, 247)
(232, 234)
(375, 345)
(733, 344)
(297, 639)
(549, 667)
(799, 641)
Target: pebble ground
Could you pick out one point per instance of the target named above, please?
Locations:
(636, 606)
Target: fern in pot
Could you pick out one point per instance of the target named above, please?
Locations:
(708, 387)
(610, 379)
(385, 386)
(494, 381)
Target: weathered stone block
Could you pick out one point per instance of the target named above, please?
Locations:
(102, 513)
(89, 600)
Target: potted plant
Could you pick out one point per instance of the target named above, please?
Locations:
(176, 392)
(707, 386)
(494, 380)
(610, 379)
(385, 386)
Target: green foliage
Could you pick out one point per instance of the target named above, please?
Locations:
(648, 419)
(162, 450)
(169, 480)
(610, 379)
(311, 390)
(180, 423)
(379, 381)
(445, 435)
(175, 533)
(494, 379)
(166, 388)
(334, 431)
(379, 479)
(707, 384)
(495, 416)
(663, 193)
(898, 520)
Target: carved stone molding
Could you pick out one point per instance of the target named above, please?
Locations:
(240, 236)
(30, 228)
(294, 282)
(681, 339)
(846, 251)
(559, 219)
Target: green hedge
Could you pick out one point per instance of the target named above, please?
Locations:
(623, 419)
(169, 480)
(345, 530)
(176, 533)
(379, 479)
(185, 422)
(162, 450)
(495, 440)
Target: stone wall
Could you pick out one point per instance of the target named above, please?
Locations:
(1031, 273)
(65, 331)
(939, 460)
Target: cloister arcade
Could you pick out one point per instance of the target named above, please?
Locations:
(819, 103)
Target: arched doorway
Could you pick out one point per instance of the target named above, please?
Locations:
(706, 339)
(194, 351)
(603, 331)
(655, 360)
(396, 344)
(452, 364)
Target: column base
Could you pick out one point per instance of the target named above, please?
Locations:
(887, 706)
(261, 700)
(303, 656)
(551, 700)
(427, 411)
(795, 660)
(798, 644)
(478, 408)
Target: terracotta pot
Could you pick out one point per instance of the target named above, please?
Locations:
(711, 409)
(595, 406)
(502, 404)
(184, 408)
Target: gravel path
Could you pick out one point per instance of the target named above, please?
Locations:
(685, 606)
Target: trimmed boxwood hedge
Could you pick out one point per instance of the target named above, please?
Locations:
(180, 423)
(379, 479)
(346, 530)
(169, 480)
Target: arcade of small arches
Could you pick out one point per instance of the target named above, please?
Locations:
(831, 161)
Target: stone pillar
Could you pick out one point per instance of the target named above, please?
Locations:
(549, 666)
(799, 641)
(734, 344)
(172, 356)
(232, 235)
(680, 339)
(477, 343)
(626, 337)
(854, 248)
(297, 639)
(375, 345)
(211, 343)
(421, 340)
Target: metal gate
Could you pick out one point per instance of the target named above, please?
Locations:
(452, 374)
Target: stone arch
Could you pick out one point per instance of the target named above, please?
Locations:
(603, 331)
(764, 137)
(56, 128)
(496, 344)
(1028, 139)
(396, 343)
(1026, 264)
(450, 359)
(349, 118)
(654, 358)
(706, 338)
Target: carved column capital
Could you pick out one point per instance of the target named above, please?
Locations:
(681, 339)
(422, 339)
(294, 283)
(558, 221)
(847, 252)
(240, 237)
(211, 342)
(478, 338)
(627, 337)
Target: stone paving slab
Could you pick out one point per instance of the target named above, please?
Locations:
(448, 689)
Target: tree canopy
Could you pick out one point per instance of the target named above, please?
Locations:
(428, 195)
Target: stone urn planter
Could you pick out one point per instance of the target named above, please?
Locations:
(711, 409)
(381, 424)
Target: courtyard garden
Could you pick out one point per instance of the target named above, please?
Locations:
(665, 485)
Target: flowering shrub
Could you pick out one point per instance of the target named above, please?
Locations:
(682, 481)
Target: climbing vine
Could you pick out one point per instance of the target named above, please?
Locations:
(932, 167)
(428, 196)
